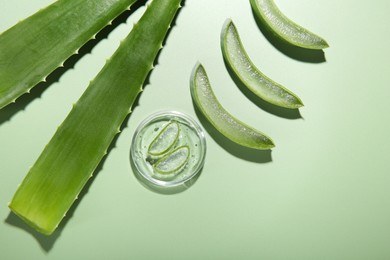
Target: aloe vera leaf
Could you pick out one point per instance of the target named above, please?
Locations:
(81, 141)
(165, 139)
(232, 128)
(284, 28)
(258, 83)
(173, 161)
(36, 46)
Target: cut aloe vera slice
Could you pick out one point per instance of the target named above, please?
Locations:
(36, 46)
(284, 28)
(258, 83)
(164, 140)
(173, 162)
(225, 123)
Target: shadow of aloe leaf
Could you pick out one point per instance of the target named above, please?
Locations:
(266, 106)
(46, 242)
(294, 52)
(239, 151)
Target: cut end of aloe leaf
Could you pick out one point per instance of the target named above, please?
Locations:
(251, 77)
(40, 227)
(225, 123)
(284, 28)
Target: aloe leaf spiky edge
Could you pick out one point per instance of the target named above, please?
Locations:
(36, 46)
(81, 141)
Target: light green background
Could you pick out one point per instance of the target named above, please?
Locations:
(323, 192)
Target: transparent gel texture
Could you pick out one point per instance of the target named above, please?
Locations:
(165, 139)
(173, 162)
(190, 135)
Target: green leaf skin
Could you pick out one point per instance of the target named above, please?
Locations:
(81, 141)
(226, 124)
(36, 46)
(284, 28)
(258, 83)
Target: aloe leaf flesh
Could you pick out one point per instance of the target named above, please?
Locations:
(69, 159)
(256, 81)
(173, 161)
(232, 128)
(36, 46)
(165, 139)
(284, 28)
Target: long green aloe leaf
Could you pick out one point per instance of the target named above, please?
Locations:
(36, 46)
(81, 141)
